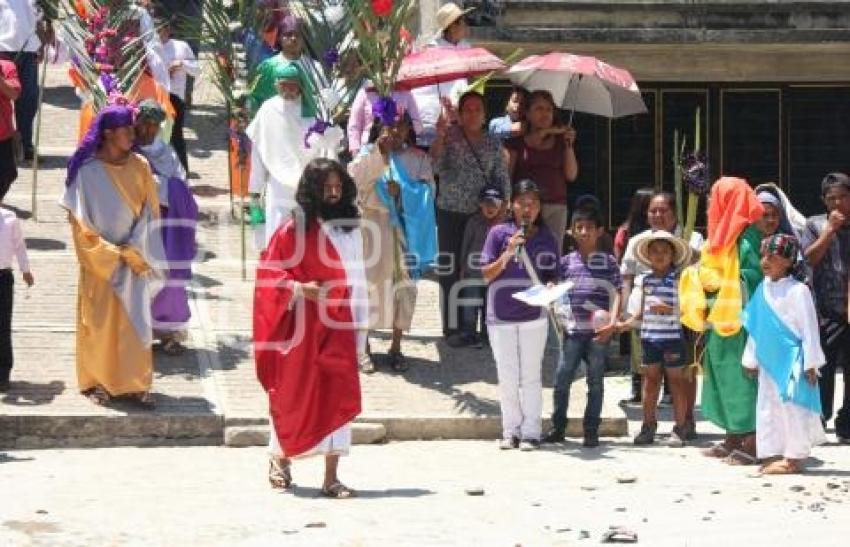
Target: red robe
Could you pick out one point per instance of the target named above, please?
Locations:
(313, 385)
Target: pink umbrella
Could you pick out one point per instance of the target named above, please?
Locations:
(436, 65)
(581, 83)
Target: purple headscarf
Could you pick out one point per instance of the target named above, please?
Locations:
(110, 117)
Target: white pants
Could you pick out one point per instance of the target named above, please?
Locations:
(784, 429)
(518, 350)
(337, 443)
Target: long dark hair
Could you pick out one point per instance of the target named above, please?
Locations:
(540, 95)
(525, 186)
(636, 221)
(311, 187)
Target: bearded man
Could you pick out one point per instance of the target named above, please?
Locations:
(311, 307)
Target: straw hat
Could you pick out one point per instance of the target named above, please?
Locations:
(449, 13)
(682, 250)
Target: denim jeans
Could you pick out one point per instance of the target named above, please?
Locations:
(576, 348)
(27, 102)
(474, 314)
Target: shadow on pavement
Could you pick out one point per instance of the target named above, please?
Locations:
(206, 281)
(45, 244)
(299, 492)
(229, 351)
(62, 96)
(22, 214)
(574, 449)
(32, 394)
(8, 458)
(208, 190)
(164, 405)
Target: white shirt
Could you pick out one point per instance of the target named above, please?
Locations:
(428, 97)
(178, 50)
(18, 20)
(12, 242)
(153, 46)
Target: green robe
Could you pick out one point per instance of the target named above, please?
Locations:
(728, 395)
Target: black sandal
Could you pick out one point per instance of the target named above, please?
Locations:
(398, 362)
(280, 475)
(339, 491)
(97, 395)
(173, 347)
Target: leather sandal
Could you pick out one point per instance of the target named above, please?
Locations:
(280, 474)
(97, 395)
(338, 491)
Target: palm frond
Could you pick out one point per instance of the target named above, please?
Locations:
(381, 44)
(104, 37)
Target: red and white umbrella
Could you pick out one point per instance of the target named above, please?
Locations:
(436, 65)
(581, 83)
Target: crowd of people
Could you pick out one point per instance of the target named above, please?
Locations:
(499, 192)
(443, 188)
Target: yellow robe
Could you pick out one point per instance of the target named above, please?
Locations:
(109, 351)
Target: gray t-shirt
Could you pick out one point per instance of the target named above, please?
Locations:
(830, 276)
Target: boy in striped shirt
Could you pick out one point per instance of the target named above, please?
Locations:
(656, 306)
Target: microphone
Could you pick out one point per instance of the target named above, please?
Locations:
(524, 229)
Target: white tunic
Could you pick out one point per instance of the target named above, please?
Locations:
(783, 428)
(349, 247)
(278, 156)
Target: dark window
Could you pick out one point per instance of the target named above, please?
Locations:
(750, 135)
(588, 132)
(632, 158)
(819, 141)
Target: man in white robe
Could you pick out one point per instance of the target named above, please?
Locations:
(282, 146)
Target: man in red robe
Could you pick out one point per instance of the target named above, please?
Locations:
(310, 312)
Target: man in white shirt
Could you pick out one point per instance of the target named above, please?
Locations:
(22, 30)
(181, 63)
(11, 246)
(451, 20)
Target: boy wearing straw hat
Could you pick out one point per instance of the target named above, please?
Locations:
(661, 335)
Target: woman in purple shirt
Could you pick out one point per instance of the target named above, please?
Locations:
(518, 331)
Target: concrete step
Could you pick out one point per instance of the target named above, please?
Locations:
(258, 435)
(96, 431)
(375, 429)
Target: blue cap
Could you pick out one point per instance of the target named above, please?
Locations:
(491, 194)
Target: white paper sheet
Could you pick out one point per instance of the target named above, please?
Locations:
(541, 295)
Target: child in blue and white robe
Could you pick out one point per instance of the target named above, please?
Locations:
(784, 350)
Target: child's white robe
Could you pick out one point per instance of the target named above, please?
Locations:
(783, 428)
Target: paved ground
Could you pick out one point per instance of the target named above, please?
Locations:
(414, 493)
(213, 384)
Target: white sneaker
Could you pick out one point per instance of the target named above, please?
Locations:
(508, 444)
(527, 445)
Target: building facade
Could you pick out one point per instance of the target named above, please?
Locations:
(771, 80)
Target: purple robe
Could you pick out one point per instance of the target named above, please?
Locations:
(170, 308)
